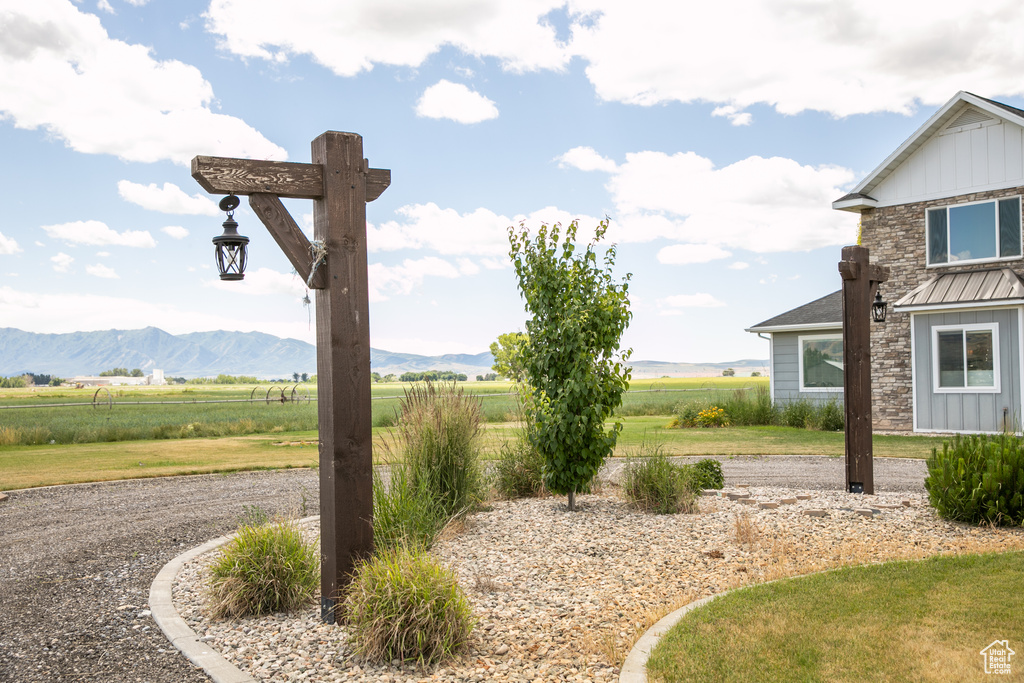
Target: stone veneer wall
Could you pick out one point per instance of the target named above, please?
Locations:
(895, 237)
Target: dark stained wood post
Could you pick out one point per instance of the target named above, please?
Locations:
(860, 282)
(343, 365)
(340, 181)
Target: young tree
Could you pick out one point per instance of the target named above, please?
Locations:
(575, 374)
(508, 355)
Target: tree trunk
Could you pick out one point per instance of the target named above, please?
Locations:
(572, 501)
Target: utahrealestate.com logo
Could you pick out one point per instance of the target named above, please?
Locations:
(997, 657)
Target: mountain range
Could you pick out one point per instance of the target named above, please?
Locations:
(202, 354)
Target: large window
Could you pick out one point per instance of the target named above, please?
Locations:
(980, 231)
(966, 358)
(821, 362)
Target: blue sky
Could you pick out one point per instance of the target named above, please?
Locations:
(715, 138)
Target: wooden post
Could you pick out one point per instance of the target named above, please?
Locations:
(343, 366)
(860, 282)
(340, 182)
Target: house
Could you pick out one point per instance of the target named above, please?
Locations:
(806, 351)
(943, 211)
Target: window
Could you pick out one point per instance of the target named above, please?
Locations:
(821, 362)
(974, 232)
(966, 358)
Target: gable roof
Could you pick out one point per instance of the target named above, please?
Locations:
(965, 289)
(820, 314)
(860, 197)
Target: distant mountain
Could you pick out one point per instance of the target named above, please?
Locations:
(197, 354)
(203, 354)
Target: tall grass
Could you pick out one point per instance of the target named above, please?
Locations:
(754, 407)
(652, 483)
(437, 474)
(438, 428)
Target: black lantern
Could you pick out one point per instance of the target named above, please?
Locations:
(879, 307)
(231, 247)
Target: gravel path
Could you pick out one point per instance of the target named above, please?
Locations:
(76, 562)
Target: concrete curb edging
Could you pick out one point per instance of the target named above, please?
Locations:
(178, 632)
(634, 669)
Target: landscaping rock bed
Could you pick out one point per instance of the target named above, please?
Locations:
(562, 596)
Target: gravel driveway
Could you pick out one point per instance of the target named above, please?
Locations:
(76, 562)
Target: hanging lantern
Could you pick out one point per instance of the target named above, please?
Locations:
(879, 307)
(231, 247)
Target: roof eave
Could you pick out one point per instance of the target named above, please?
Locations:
(990, 303)
(810, 327)
(855, 205)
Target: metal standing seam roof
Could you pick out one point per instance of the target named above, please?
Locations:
(826, 311)
(967, 287)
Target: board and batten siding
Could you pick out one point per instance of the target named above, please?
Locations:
(967, 412)
(951, 163)
(786, 370)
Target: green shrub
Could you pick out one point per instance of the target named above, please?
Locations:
(707, 474)
(517, 472)
(797, 414)
(438, 426)
(403, 605)
(689, 412)
(978, 479)
(405, 513)
(652, 483)
(264, 569)
(829, 417)
(751, 407)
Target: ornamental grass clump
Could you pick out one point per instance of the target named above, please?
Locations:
(978, 480)
(262, 570)
(403, 605)
(404, 512)
(437, 429)
(652, 483)
(518, 471)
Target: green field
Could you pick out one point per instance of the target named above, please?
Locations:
(197, 411)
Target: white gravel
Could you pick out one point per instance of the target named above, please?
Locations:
(562, 596)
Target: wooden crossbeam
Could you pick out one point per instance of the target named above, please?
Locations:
(224, 175)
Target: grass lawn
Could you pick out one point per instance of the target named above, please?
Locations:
(44, 465)
(899, 621)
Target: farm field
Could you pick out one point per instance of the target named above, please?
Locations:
(90, 415)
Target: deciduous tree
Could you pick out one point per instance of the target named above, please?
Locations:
(572, 363)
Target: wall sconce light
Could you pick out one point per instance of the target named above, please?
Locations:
(231, 249)
(878, 308)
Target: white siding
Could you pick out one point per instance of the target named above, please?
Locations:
(972, 160)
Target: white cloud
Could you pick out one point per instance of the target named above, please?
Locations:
(8, 245)
(758, 204)
(103, 254)
(175, 231)
(167, 199)
(699, 300)
(467, 267)
(735, 116)
(100, 270)
(682, 254)
(586, 159)
(97, 233)
(739, 265)
(455, 101)
(262, 282)
(403, 278)
(831, 55)
(62, 262)
(352, 37)
(61, 71)
(105, 6)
